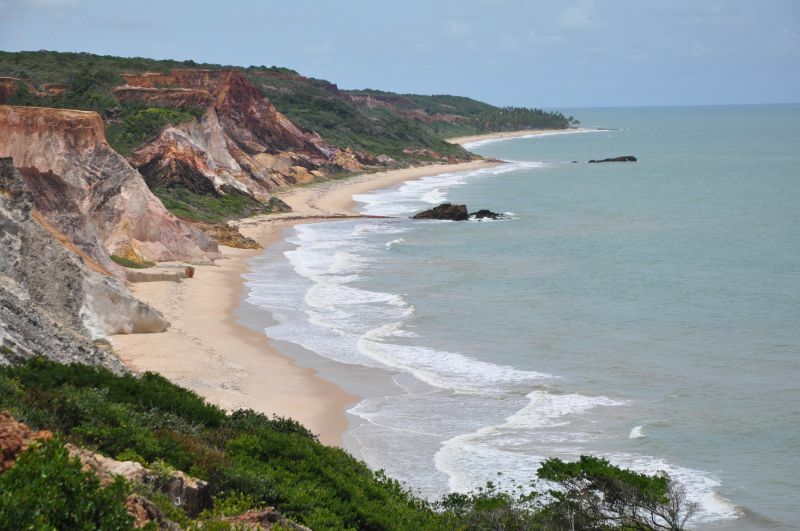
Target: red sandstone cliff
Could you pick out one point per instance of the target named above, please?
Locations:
(89, 192)
(241, 141)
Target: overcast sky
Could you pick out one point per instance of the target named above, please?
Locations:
(550, 53)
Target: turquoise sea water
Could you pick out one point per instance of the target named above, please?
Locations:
(648, 312)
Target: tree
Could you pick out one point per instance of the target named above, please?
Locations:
(591, 493)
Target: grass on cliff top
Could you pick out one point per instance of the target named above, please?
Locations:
(252, 461)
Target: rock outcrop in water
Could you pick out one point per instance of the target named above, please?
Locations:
(445, 211)
(89, 193)
(55, 299)
(448, 211)
(240, 143)
(624, 158)
(485, 214)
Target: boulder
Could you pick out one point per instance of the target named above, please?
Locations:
(624, 158)
(191, 494)
(145, 513)
(15, 438)
(446, 211)
(106, 469)
(483, 213)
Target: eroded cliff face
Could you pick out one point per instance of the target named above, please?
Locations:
(56, 300)
(90, 193)
(241, 141)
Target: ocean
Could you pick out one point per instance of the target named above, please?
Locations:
(645, 312)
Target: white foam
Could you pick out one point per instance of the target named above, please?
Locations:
(441, 369)
(483, 142)
(636, 433)
(394, 242)
(410, 196)
(698, 486)
(544, 427)
(322, 308)
(470, 458)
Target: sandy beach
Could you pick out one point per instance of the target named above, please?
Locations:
(508, 134)
(207, 350)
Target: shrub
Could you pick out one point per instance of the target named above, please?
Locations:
(593, 493)
(46, 489)
(142, 125)
(251, 460)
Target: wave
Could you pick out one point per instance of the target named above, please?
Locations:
(700, 487)
(636, 433)
(441, 369)
(432, 190)
(318, 298)
(470, 458)
(355, 325)
(483, 142)
(549, 425)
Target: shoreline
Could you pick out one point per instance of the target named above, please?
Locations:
(207, 348)
(462, 140)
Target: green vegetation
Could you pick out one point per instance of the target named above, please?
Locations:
(409, 128)
(139, 126)
(460, 116)
(320, 106)
(132, 264)
(46, 489)
(85, 81)
(273, 461)
(215, 208)
(253, 461)
(595, 494)
(387, 125)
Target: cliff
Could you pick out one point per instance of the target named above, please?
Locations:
(56, 300)
(241, 142)
(90, 193)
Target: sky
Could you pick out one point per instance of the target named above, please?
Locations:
(542, 53)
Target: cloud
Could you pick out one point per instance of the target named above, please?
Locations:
(579, 16)
(50, 4)
(787, 42)
(455, 27)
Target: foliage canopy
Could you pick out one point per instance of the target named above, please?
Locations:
(251, 461)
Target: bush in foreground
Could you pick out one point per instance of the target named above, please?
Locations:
(46, 489)
(252, 461)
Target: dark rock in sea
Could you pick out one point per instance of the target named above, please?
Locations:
(625, 158)
(481, 214)
(445, 211)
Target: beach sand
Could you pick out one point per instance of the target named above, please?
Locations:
(508, 134)
(208, 351)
